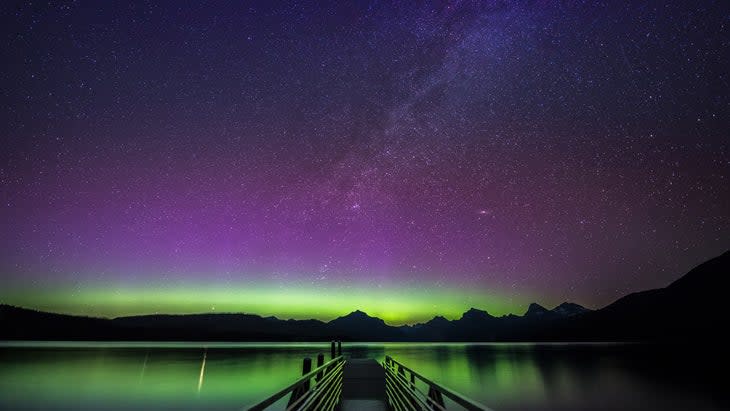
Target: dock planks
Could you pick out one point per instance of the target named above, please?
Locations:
(363, 386)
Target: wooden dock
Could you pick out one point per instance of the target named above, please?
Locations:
(354, 384)
(363, 386)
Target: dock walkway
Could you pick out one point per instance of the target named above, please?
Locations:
(363, 386)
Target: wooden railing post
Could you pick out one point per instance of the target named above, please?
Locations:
(320, 362)
(332, 350)
(302, 389)
(306, 368)
(434, 396)
(339, 348)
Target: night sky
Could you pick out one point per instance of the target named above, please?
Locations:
(305, 159)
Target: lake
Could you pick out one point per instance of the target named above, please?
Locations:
(229, 376)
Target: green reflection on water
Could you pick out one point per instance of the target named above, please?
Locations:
(227, 376)
(134, 377)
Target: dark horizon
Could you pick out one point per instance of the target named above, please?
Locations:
(524, 312)
(675, 313)
(356, 311)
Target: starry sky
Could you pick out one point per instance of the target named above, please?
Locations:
(305, 159)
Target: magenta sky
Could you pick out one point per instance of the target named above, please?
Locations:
(543, 151)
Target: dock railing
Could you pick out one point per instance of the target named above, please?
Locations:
(404, 395)
(317, 389)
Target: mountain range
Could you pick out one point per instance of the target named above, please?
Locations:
(688, 309)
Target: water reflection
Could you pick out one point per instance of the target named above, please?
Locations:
(229, 376)
(202, 370)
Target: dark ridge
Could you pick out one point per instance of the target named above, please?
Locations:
(688, 309)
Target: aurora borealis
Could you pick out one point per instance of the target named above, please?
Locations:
(306, 159)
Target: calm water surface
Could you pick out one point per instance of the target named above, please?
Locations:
(222, 376)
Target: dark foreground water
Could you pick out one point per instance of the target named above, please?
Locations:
(178, 376)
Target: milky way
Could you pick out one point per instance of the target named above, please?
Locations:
(308, 159)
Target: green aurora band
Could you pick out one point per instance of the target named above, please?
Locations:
(396, 305)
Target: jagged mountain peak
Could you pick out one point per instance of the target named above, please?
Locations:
(357, 316)
(358, 313)
(568, 309)
(536, 309)
(476, 314)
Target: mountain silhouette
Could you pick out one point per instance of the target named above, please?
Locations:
(536, 310)
(567, 309)
(474, 316)
(359, 326)
(689, 308)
